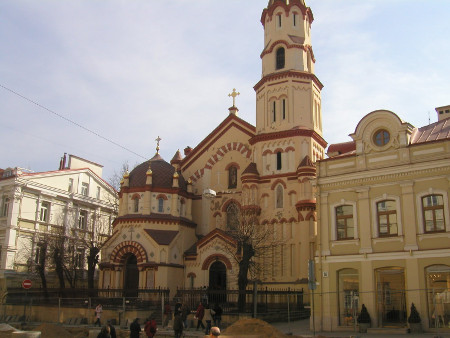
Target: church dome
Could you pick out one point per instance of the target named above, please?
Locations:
(161, 171)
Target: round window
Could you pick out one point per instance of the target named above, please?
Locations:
(381, 137)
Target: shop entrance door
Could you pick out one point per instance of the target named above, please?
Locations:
(391, 304)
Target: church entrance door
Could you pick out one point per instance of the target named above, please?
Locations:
(217, 282)
(131, 277)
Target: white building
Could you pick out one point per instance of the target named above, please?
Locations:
(73, 200)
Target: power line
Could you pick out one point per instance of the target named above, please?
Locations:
(69, 120)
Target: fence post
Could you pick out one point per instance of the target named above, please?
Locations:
(59, 308)
(289, 312)
(255, 300)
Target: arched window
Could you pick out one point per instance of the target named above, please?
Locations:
(232, 177)
(279, 163)
(161, 204)
(280, 58)
(348, 281)
(136, 204)
(279, 196)
(232, 217)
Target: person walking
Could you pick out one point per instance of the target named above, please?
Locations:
(184, 314)
(209, 313)
(199, 315)
(135, 329)
(98, 314)
(167, 314)
(178, 325)
(150, 327)
(218, 316)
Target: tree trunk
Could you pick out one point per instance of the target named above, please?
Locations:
(92, 263)
(244, 265)
(41, 268)
(57, 259)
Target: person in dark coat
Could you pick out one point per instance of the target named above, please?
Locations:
(112, 330)
(199, 315)
(178, 325)
(104, 332)
(218, 316)
(184, 314)
(135, 329)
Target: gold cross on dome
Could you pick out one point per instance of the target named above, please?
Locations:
(157, 144)
(233, 95)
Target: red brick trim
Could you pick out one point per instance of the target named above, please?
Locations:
(216, 257)
(278, 182)
(128, 247)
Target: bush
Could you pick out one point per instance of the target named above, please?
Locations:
(414, 316)
(364, 316)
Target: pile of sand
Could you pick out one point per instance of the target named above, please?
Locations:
(51, 330)
(255, 327)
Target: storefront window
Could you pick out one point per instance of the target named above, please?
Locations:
(438, 283)
(348, 296)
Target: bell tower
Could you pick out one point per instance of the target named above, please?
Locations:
(288, 99)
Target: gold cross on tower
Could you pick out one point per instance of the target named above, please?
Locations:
(233, 95)
(157, 144)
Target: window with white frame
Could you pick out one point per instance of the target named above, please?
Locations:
(345, 228)
(387, 218)
(79, 258)
(98, 192)
(82, 220)
(5, 206)
(70, 188)
(433, 213)
(44, 212)
(85, 189)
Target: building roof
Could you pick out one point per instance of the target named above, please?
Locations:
(162, 174)
(251, 169)
(433, 132)
(162, 237)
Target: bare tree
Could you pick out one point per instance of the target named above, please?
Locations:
(253, 241)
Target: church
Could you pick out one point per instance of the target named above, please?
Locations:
(178, 219)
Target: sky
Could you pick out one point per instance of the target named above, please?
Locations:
(131, 71)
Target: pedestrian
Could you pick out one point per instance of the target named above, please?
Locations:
(98, 314)
(184, 314)
(150, 327)
(112, 329)
(215, 332)
(167, 314)
(209, 313)
(178, 306)
(135, 329)
(218, 316)
(199, 315)
(178, 325)
(104, 332)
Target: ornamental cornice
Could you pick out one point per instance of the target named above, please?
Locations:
(380, 178)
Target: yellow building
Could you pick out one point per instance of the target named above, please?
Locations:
(176, 219)
(384, 224)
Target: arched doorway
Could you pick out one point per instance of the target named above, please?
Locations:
(217, 282)
(131, 276)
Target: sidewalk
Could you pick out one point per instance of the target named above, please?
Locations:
(301, 328)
